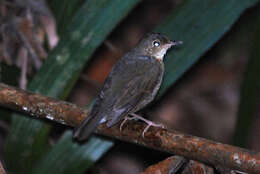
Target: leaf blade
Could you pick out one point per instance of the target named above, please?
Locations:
(28, 137)
(205, 23)
(80, 156)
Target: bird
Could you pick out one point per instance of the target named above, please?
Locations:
(132, 84)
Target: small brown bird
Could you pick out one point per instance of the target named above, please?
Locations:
(132, 84)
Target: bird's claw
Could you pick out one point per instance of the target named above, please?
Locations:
(121, 125)
(124, 121)
(148, 122)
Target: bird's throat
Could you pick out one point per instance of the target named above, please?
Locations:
(160, 55)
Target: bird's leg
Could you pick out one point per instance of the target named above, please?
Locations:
(148, 122)
(125, 119)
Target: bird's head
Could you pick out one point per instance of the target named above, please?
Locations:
(156, 45)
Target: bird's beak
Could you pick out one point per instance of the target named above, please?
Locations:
(175, 43)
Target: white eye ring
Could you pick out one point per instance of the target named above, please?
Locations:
(156, 43)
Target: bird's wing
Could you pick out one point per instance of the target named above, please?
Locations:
(129, 83)
(134, 84)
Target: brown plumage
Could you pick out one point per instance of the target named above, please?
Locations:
(131, 85)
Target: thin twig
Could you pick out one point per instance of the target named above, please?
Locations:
(22, 28)
(198, 168)
(24, 61)
(2, 170)
(222, 156)
(170, 165)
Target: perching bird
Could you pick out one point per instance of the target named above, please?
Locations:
(131, 85)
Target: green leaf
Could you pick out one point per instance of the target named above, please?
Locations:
(199, 24)
(67, 157)
(64, 12)
(249, 95)
(89, 27)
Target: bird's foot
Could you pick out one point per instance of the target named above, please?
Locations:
(148, 122)
(124, 121)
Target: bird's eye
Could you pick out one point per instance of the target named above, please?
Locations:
(156, 43)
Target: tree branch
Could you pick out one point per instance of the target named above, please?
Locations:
(170, 165)
(177, 164)
(219, 155)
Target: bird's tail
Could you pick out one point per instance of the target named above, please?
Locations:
(84, 130)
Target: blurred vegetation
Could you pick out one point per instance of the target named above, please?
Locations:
(82, 27)
(249, 99)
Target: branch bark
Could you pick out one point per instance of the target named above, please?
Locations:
(169, 165)
(222, 156)
(177, 164)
